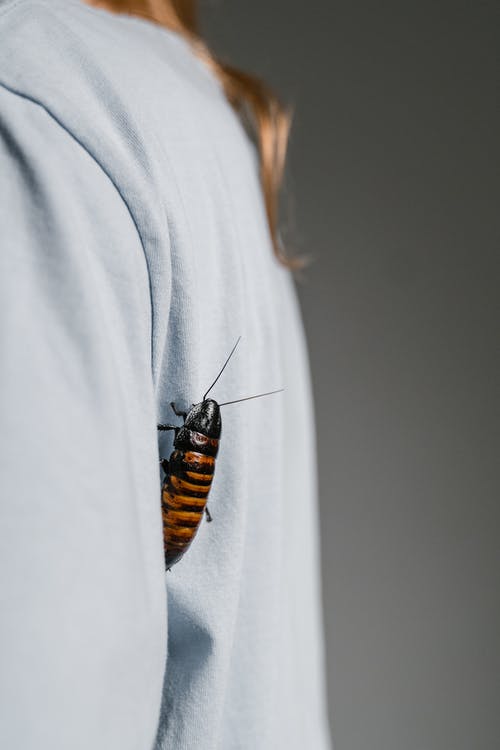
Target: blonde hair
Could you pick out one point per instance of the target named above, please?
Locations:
(248, 95)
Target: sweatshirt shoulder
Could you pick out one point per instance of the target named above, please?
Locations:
(98, 67)
(128, 90)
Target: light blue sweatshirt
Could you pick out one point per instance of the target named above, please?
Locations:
(134, 251)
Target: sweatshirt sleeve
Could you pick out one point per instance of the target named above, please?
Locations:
(82, 628)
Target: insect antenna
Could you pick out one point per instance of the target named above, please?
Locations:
(247, 398)
(223, 368)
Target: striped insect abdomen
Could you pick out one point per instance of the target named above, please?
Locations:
(185, 491)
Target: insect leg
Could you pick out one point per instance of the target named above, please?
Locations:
(165, 427)
(207, 512)
(177, 412)
(165, 465)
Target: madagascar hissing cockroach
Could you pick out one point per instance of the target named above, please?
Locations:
(190, 470)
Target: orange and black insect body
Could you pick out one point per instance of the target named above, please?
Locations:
(189, 474)
(190, 470)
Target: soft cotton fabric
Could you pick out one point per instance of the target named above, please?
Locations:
(134, 251)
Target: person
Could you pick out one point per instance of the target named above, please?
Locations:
(139, 242)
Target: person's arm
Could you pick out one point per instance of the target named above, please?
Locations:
(82, 620)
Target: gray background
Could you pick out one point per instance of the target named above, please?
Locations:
(393, 168)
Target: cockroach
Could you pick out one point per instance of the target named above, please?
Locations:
(189, 471)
